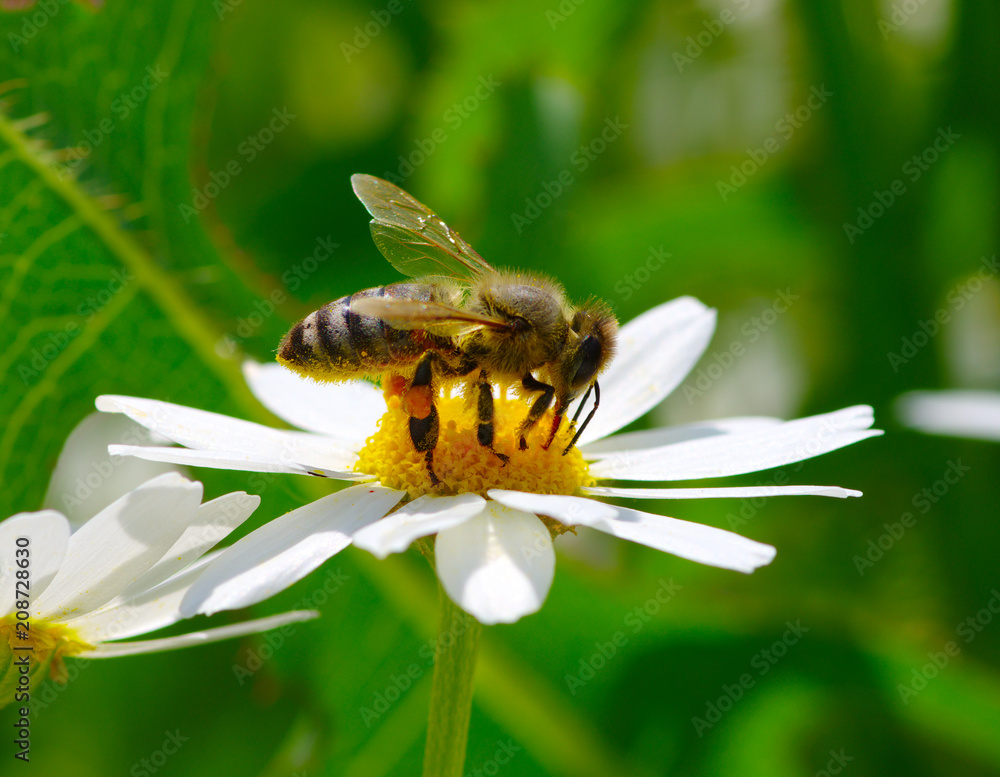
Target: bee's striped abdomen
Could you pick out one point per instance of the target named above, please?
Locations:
(334, 343)
(366, 335)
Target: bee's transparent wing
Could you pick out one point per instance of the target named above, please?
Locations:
(436, 317)
(414, 239)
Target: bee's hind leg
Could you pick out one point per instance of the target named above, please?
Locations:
(424, 422)
(484, 412)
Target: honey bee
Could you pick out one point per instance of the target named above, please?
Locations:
(460, 320)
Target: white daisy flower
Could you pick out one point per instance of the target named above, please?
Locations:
(86, 478)
(494, 524)
(122, 573)
(974, 414)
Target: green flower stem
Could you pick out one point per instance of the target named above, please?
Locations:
(451, 693)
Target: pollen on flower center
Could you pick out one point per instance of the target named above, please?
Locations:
(462, 464)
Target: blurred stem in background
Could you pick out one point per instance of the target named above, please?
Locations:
(873, 135)
(890, 284)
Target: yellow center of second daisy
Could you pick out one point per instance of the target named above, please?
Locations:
(26, 654)
(462, 464)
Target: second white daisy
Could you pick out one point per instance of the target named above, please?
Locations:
(121, 574)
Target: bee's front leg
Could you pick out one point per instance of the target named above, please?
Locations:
(424, 423)
(484, 411)
(597, 403)
(538, 408)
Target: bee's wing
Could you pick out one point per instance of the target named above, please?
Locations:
(436, 317)
(414, 239)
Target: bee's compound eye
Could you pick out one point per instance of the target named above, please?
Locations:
(588, 359)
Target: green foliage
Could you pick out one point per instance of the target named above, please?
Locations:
(219, 140)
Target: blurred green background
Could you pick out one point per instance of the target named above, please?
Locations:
(768, 146)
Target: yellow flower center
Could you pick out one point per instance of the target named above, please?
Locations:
(27, 654)
(462, 464)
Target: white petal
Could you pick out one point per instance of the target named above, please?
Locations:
(147, 611)
(738, 492)
(112, 650)
(498, 565)
(656, 351)
(213, 523)
(671, 435)
(420, 518)
(204, 431)
(47, 532)
(118, 544)
(566, 509)
(694, 541)
(973, 414)
(86, 479)
(222, 459)
(286, 549)
(347, 411)
(739, 453)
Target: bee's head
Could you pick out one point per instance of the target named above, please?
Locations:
(592, 340)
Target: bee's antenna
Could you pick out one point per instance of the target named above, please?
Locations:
(590, 415)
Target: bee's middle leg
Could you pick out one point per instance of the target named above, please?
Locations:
(538, 408)
(484, 411)
(424, 422)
